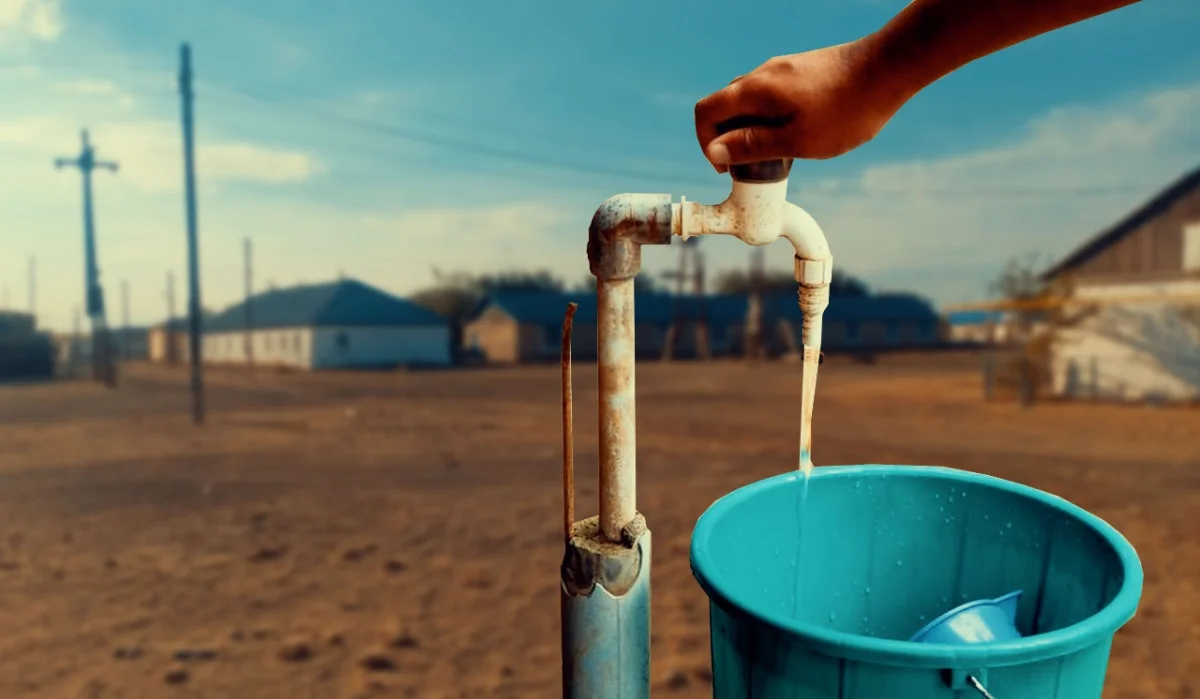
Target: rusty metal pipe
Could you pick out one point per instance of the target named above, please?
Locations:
(620, 227)
(618, 418)
(605, 570)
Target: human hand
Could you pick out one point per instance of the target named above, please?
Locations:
(818, 104)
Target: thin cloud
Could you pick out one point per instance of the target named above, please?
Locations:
(520, 223)
(96, 88)
(39, 19)
(904, 216)
(150, 157)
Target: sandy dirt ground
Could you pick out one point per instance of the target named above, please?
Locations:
(398, 534)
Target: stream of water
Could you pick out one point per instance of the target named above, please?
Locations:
(806, 468)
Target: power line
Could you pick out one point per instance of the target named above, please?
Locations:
(471, 147)
(377, 128)
(412, 135)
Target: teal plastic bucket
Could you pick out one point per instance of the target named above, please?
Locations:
(887, 549)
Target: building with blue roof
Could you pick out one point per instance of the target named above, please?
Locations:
(527, 326)
(342, 324)
(977, 327)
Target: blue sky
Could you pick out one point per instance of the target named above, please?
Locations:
(303, 109)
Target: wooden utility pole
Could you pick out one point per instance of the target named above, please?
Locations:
(754, 306)
(33, 287)
(249, 279)
(691, 268)
(171, 354)
(189, 178)
(125, 319)
(103, 367)
(77, 342)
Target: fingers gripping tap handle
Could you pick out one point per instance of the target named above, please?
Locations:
(761, 172)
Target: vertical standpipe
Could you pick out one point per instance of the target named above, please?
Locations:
(606, 563)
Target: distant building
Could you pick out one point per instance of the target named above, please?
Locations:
(1142, 341)
(339, 325)
(131, 343)
(511, 327)
(976, 327)
(167, 343)
(25, 353)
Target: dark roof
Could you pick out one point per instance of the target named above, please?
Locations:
(345, 302)
(547, 308)
(974, 317)
(179, 324)
(1147, 211)
(14, 322)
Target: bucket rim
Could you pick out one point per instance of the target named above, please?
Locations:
(886, 651)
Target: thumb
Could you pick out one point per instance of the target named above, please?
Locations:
(749, 145)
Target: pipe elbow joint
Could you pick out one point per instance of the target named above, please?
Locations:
(619, 229)
(814, 261)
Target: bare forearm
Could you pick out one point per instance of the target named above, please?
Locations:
(932, 38)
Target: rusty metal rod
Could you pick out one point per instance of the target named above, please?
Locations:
(618, 439)
(568, 465)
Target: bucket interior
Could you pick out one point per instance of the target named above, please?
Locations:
(886, 549)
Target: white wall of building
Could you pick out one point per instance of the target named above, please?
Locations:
(289, 347)
(348, 347)
(1135, 350)
(333, 348)
(981, 333)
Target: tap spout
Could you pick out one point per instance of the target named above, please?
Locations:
(758, 213)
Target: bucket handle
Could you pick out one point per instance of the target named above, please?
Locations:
(978, 687)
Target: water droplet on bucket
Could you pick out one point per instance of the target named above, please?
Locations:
(1008, 525)
(950, 499)
(899, 563)
(832, 616)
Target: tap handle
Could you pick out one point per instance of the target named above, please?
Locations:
(764, 171)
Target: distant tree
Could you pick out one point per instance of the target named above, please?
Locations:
(644, 281)
(1033, 298)
(456, 294)
(541, 280)
(452, 302)
(1035, 302)
(844, 284)
(1019, 280)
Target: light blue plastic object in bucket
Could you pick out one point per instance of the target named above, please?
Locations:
(888, 549)
(981, 621)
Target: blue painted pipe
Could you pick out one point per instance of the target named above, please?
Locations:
(606, 613)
